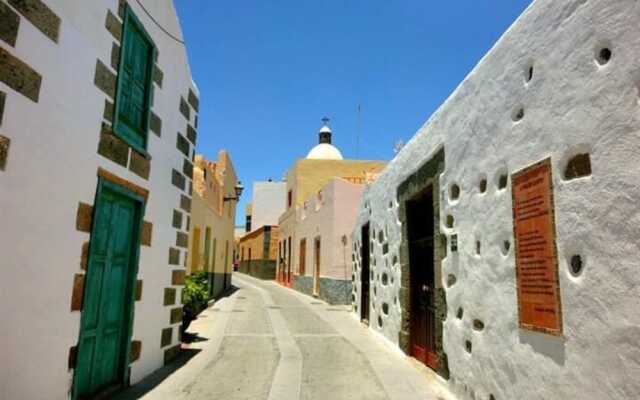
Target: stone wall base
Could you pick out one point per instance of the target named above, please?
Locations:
(333, 291)
(261, 269)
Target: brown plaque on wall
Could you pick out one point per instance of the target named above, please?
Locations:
(539, 305)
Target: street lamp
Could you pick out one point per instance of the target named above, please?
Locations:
(239, 188)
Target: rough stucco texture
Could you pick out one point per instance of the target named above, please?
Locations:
(573, 102)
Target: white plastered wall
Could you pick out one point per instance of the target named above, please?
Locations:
(52, 166)
(572, 105)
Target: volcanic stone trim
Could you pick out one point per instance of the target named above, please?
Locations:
(122, 4)
(104, 174)
(187, 169)
(140, 165)
(5, 142)
(114, 26)
(174, 256)
(166, 337)
(109, 111)
(115, 56)
(9, 24)
(191, 134)
(84, 256)
(184, 109)
(183, 145)
(178, 180)
(3, 97)
(158, 76)
(177, 219)
(19, 76)
(40, 16)
(77, 292)
(193, 100)
(169, 297)
(72, 358)
(138, 290)
(136, 350)
(112, 147)
(185, 203)
(147, 233)
(177, 277)
(105, 80)
(426, 178)
(182, 239)
(155, 124)
(176, 315)
(171, 353)
(84, 217)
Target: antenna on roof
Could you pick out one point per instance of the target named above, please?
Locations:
(358, 132)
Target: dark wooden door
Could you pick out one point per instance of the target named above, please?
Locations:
(108, 294)
(316, 267)
(303, 257)
(422, 302)
(421, 258)
(364, 274)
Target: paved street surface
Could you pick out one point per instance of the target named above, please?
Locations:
(268, 342)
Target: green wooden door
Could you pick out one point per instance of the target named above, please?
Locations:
(108, 293)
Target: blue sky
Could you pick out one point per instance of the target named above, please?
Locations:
(268, 71)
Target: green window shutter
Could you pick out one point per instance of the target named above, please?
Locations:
(134, 84)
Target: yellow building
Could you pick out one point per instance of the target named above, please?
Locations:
(213, 214)
(258, 252)
(307, 176)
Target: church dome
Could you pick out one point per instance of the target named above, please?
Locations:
(324, 151)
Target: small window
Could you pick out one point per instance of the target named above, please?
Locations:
(133, 93)
(289, 199)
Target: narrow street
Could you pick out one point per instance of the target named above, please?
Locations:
(265, 341)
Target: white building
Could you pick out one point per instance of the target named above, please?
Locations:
(268, 203)
(543, 305)
(97, 140)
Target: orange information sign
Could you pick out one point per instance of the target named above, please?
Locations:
(539, 304)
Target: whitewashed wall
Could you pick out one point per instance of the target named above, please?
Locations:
(269, 201)
(52, 166)
(571, 105)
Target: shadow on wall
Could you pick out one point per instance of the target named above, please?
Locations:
(549, 346)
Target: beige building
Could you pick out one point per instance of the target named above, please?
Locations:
(213, 214)
(258, 252)
(307, 176)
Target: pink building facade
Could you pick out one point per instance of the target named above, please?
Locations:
(322, 242)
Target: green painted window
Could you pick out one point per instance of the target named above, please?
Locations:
(133, 94)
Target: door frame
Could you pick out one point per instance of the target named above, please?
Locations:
(133, 273)
(365, 255)
(317, 259)
(428, 174)
(427, 354)
(302, 257)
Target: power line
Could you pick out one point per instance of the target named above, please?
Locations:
(158, 24)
